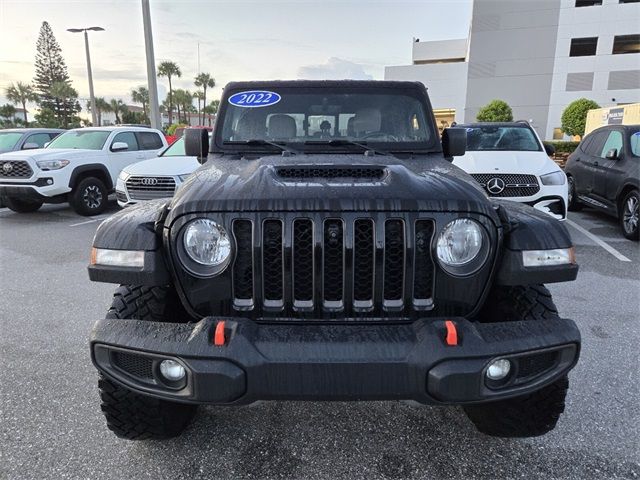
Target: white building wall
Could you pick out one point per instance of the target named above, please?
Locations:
(604, 21)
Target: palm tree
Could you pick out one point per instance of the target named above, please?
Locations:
(199, 96)
(117, 107)
(169, 70)
(65, 96)
(211, 109)
(205, 81)
(141, 95)
(101, 106)
(20, 94)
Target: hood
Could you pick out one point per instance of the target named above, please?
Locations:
(533, 163)
(51, 154)
(164, 166)
(310, 183)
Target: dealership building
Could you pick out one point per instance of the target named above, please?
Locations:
(537, 55)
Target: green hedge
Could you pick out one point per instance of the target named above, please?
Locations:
(564, 147)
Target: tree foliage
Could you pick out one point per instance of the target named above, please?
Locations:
(101, 106)
(169, 70)
(118, 107)
(574, 117)
(140, 95)
(19, 94)
(205, 81)
(495, 111)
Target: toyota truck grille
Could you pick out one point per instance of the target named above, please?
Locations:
(507, 184)
(321, 264)
(15, 169)
(149, 188)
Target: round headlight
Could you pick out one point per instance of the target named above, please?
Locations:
(206, 242)
(459, 244)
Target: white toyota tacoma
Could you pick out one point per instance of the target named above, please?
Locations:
(155, 178)
(80, 166)
(510, 161)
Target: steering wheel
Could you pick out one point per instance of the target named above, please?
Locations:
(393, 138)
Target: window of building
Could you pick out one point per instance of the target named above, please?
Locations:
(583, 47)
(588, 3)
(626, 44)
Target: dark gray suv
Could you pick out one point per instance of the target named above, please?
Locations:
(26, 138)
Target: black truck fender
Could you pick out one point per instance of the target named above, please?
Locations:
(526, 228)
(91, 170)
(137, 228)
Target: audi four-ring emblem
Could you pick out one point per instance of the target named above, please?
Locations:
(149, 181)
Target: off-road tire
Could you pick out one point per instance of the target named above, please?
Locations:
(627, 216)
(130, 415)
(538, 412)
(574, 203)
(21, 206)
(89, 197)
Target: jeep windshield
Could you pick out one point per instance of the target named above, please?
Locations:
(327, 119)
(86, 140)
(499, 137)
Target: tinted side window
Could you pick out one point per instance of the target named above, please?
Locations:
(38, 138)
(595, 146)
(149, 141)
(53, 135)
(129, 138)
(613, 141)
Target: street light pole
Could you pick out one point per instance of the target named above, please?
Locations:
(92, 98)
(154, 109)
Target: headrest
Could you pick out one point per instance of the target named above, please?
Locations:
(367, 120)
(281, 126)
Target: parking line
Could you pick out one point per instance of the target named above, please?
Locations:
(595, 239)
(96, 219)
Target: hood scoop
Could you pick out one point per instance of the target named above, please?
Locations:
(349, 172)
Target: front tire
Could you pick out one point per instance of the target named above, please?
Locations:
(89, 197)
(629, 215)
(130, 415)
(22, 206)
(538, 412)
(574, 203)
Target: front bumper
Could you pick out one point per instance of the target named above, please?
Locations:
(410, 361)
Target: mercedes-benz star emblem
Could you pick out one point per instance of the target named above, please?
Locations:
(495, 186)
(149, 181)
(7, 167)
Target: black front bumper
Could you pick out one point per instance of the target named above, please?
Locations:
(334, 362)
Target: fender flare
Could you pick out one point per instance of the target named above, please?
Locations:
(79, 171)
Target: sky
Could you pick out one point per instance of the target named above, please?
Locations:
(238, 40)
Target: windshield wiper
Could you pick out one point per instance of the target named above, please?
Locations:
(342, 142)
(258, 141)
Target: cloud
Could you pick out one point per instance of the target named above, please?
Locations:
(334, 69)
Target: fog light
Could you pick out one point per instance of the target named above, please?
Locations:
(172, 370)
(498, 369)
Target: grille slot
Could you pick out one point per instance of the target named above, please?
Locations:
(333, 264)
(516, 185)
(136, 365)
(15, 169)
(364, 172)
(149, 188)
(394, 256)
(532, 365)
(423, 265)
(363, 263)
(243, 266)
(303, 264)
(272, 263)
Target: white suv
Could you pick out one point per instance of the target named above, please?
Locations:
(80, 166)
(155, 178)
(510, 161)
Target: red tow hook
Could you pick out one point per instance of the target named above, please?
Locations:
(452, 333)
(218, 336)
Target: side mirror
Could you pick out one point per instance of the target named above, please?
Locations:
(119, 147)
(30, 146)
(612, 154)
(454, 142)
(196, 143)
(550, 149)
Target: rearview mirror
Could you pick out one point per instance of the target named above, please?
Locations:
(612, 154)
(119, 147)
(196, 143)
(30, 146)
(454, 142)
(550, 149)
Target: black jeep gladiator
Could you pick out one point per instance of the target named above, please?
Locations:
(327, 249)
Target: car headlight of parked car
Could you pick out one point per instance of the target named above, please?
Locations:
(205, 247)
(462, 246)
(52, 164)
(553, 178)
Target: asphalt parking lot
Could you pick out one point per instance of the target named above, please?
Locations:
(51, 425)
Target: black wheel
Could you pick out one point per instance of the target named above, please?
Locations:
(629, 215)
(131, 415)
(574, 203)
(22, 206)
(538, 412)
(89, 197)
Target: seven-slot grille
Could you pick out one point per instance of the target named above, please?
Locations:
(148, 188)
(328, 264)
(15, 169)
(515, 185)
